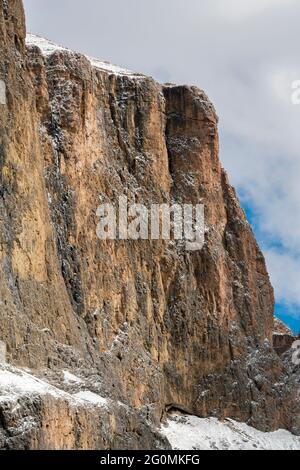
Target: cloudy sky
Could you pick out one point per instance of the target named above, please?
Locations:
(245, 55)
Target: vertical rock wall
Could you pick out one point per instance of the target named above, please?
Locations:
(160, 326)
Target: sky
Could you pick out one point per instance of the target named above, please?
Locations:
(245, 55)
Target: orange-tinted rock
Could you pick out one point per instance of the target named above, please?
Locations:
(160, 326)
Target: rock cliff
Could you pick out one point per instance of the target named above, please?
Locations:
(147, 324)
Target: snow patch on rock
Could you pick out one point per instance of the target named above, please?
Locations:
(48, 48)
(17, 383)
(71, 378)
(115, 69)
(2, 92)
(91, 398)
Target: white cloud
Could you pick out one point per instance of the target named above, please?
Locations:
(236, 10)
(284, 268)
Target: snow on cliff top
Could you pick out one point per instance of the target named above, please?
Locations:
(281, 328)
(192, 433)
(48, 48)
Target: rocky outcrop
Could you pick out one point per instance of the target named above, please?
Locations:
(159, 326)
(283, 337)
(36, 415)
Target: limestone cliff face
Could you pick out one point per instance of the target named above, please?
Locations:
(156, 326)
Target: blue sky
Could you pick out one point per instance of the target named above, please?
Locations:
(287, 312)
(245, 55)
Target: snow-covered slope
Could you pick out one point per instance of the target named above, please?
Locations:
(17, 383)
(192, 433)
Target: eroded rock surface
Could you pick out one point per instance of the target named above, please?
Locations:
(156, 326)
